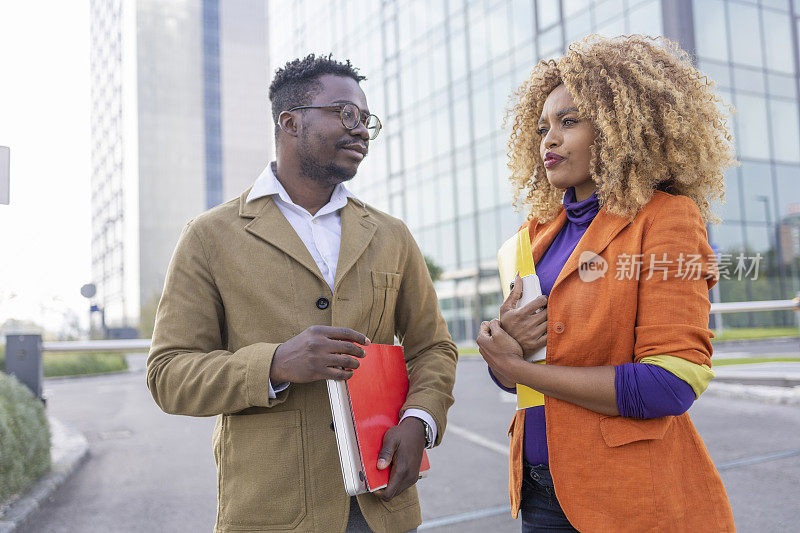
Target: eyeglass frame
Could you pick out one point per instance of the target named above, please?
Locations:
(364, 116)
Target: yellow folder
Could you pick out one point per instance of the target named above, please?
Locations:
(515, 256)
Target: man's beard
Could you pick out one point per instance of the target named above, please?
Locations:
(329, 173)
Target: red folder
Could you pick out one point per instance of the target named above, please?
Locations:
(378, 389)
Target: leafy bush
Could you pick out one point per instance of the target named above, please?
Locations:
(70, 364)
(24, 438)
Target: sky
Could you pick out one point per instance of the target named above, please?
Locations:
(45, 235)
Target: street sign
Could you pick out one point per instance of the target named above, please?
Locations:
(5, 173)
(88, 290)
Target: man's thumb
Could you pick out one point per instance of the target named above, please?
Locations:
(387, 452)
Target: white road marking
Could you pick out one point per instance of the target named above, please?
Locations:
(480, 440)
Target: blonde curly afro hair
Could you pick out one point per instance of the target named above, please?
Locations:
(658, 126)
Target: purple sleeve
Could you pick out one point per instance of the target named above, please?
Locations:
(507, 389)
(649, 391)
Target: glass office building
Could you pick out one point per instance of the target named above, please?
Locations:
(440, 75)
(180, 124)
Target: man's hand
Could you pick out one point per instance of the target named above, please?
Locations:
(528, 324)
(320, 352)
(402, 449)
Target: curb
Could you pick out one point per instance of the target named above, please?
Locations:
(68, 451)
(761, 393)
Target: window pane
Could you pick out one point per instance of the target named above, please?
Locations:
(756, 184)
(718, 72)
(499, 30)
(487, 230)
(752, 126)
(780, 85)
(727, 238)
(522, 20)
(730, 209)
(485, 183)
(548, 13)
(778, 36)
(744, 25)
(776, 4)
(478, 45)
(465, 193)
(749, 80)
(613, 28)
(711, 37)
(646, 19)
(577, 26)
(788, 181)
(785, 136)
(550, 41)
(609, 9)
(573, 6)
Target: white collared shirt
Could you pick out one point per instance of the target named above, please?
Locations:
(320, 232)
(322, 235)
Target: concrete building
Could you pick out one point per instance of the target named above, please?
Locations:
(440, 77)
(180, 123)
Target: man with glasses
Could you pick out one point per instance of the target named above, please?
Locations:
(269, 295)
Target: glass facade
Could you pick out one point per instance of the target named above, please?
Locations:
(440, 76)
(750, 50)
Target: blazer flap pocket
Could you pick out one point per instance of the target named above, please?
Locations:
(620, 430)
(385, 280)
(261, 421)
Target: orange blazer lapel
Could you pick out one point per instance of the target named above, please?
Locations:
(600, 233)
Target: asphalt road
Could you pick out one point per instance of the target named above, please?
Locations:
(151, 472)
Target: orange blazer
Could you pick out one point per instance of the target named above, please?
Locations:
(624, 474)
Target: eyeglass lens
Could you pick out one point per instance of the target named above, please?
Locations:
(351, 116)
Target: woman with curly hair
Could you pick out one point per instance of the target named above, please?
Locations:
(618, 148)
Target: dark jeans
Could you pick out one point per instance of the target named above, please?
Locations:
(540, 508)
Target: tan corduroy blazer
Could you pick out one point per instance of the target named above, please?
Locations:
(240, 283)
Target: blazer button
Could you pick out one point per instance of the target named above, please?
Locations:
(323, 303)
(559, 327)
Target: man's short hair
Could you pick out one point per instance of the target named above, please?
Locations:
(297, 82)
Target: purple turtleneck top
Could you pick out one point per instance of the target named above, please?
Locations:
(642, 390)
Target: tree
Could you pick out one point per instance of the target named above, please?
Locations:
(433, 269)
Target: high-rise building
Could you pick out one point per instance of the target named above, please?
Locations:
(440, 77)
(180, 123)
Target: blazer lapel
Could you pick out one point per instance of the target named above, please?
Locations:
(546, 234)
(270, 225)
(600, 233)
(358, 227)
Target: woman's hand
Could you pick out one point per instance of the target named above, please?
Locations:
(499, 349)
(528, 324)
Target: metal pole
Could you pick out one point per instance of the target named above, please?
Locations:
(24, 361)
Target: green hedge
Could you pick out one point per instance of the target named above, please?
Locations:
(71, 364)
(24, 438)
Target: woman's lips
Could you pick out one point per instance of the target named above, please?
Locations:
(554, 161)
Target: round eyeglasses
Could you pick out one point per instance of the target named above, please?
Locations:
(351, 116)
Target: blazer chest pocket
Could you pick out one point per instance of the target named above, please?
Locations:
(385, 286)
(262, 473)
